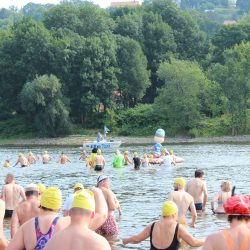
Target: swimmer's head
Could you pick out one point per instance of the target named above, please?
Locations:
(171, 152)
(84, 152)
(94, 150)
(198, 173)
(135, 154)
(226, 186)
(126, 153)
(31, 190)
(179, 183)
(45, 152)
(30, 153)
(145, 156)
(169, 208)
(99, 152)
(9, 178)
(151, 156)
(62, 153)
(51, 199)
(20, 155)
(102, 179)
(41, 188)
(78, 187)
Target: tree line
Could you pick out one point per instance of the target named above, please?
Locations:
(134, 69)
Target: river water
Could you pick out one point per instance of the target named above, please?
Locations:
(142, 193)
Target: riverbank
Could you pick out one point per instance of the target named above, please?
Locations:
(77, 140)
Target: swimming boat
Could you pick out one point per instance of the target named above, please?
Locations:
(103, 145)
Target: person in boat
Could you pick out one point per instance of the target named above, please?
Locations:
(99, 137)
(166, 159)
(184, 201)
(198, 189)
(238, 235)
(156, 150)
(118, 161)
(99, 161)
(221, 197)
(83, 156)
(145, 161)
(90, 161)
(22, 160)
(137, 161)
(126, 158)
(173, 157)
(165, 233)
(63, 159)
(154, 161)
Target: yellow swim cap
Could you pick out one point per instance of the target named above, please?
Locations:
(78, 185)
(169, 208)
(30, 153)
(20, 154)
(135, 154)
(145, 156)
(84, 200)
(180, 181)
(52, 198)
(45, 152)
(41, 188)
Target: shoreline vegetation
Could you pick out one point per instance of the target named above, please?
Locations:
(77, 140)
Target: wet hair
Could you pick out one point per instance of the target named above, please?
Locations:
(9, 178)
(94, 150)
(242, 217)
(47, 209)
(79, 211)
(226, 186)
(198, 173)
(31, 193)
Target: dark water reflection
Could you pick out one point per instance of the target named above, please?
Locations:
(142, 193)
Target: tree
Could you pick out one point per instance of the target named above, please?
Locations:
(44, 103)
(243, 5)
(133, 76)
(234, 80)
(178, 101)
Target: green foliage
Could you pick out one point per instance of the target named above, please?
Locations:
(243, 5)
(43, 101)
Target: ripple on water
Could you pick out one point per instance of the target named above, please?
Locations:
(142, 193)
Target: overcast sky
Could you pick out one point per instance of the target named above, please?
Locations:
(21, 3)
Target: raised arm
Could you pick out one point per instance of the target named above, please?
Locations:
(101, 209)
(193, 212)
(139, 237)
(188, 238)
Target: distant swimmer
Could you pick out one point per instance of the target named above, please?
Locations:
(126, 158)
(110, 226)
(22, 160)
(99, 161)
(46, 157)
(78, 235)
(31, 158)
(6, 164)
(145, 161)
(118, 161)
(83, 156)
(183, 200)
(63, 159)
(198, 189)
(137, 161)
(11, 194)
(221, 197)
(165, 233)
(90, 161)
(78, 187)
(238, 235)
(26, 209)
(166, 159)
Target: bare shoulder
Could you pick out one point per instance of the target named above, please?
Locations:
(99, 241)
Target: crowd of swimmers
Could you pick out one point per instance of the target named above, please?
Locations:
(88, 220)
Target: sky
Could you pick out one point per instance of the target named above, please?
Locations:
(21, 3)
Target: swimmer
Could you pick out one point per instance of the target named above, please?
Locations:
(26, 209)
(183, 200)
(154, 161)
(221, 197)
(22, 160)
(173, 157)
(83, 156)
(78, 187)
(198, 189)
(165, 233)
(145, 161)
(90, 161)
(6, 164)
(238, 235)
(110, 227)
(166, 159)
(11, 194)
(78, 235)
(99, 137)
(31, 158)
(99, 161)
(118, 161)
(137, 161)
(63, 159)
(126, 158)
(46, 157)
